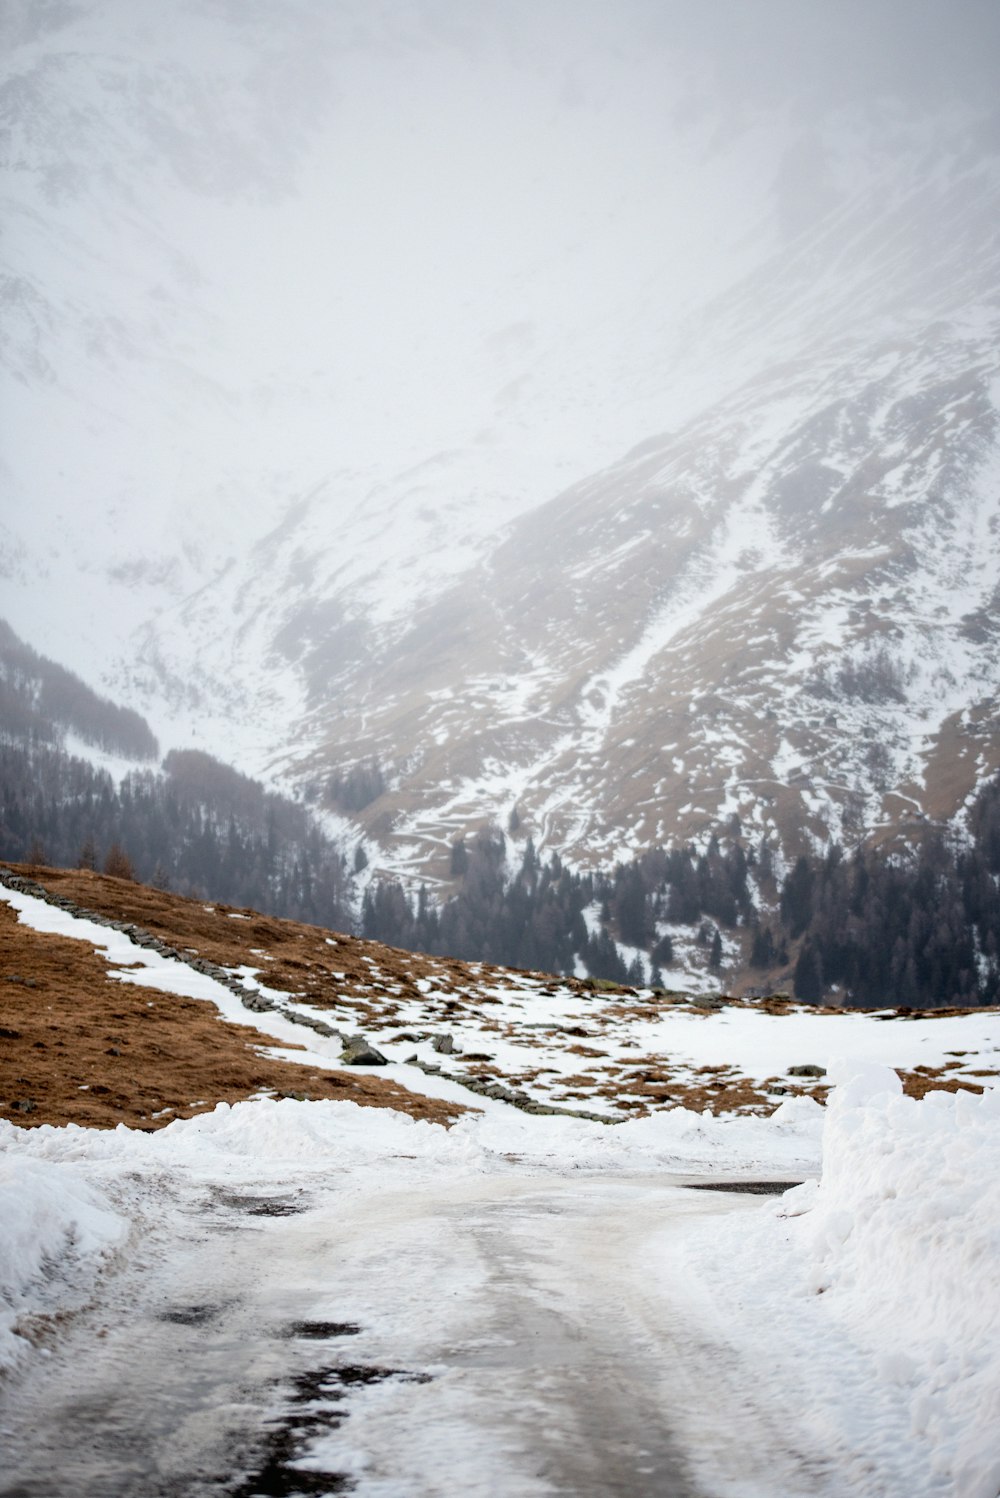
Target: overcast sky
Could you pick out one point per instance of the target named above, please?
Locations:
(831, 51)
(257, 243)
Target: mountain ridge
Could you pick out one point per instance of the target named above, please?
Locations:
(311, 531)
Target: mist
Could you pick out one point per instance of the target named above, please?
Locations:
(369, 284)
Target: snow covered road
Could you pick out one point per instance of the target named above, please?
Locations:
(282, 1298)
(485, 1335)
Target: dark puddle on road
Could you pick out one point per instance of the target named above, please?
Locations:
(196, 1315)
(260, 1206)
(221, 1210)
(320, 1331)
(314, 1400)
(748, 1188)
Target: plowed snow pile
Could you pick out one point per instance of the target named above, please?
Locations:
(902, 1240)
(882, 1276)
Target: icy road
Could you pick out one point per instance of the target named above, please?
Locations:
(495, 1335)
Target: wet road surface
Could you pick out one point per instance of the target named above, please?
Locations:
(494, 1335)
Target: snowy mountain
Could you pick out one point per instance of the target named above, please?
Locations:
(785, 610)
(504, 401)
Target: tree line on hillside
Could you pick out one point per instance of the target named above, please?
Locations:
(874, 929)
(867, 929)
(40, 700)
(922, 931)
(197, 827)
(548, 917)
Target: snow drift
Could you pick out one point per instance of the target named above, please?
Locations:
(55, 1231)
(902, 1239)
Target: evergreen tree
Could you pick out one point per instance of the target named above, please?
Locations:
(663, 953)
(808, 979)
(762, 953)
(797, 897)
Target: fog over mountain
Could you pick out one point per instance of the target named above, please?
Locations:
(585, 412)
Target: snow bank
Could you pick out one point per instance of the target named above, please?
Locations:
(261, 1138)
(265, 1135)
(675, 1139)
(902, 1238)
(54, 1228)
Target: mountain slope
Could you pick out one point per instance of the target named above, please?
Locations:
(784, 612)
(324, 393)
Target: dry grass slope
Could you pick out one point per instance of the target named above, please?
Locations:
(79, 1046)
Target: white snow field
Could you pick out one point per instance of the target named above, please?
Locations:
(313, 1297)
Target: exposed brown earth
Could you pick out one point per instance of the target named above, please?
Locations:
(80, 1046)
(318, 965)
(924, 1079)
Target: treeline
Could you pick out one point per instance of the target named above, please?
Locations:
(550, 918)
(920, 932)
(40, 700)
(533, 921)
(869, 930)
(197, 827)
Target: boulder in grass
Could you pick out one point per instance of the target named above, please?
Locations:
(807, 1071)
(358, 1052)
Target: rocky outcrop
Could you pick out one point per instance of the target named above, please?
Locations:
(358, 1052)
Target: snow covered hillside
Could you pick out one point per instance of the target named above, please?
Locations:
(521, 401)
(784, 610)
